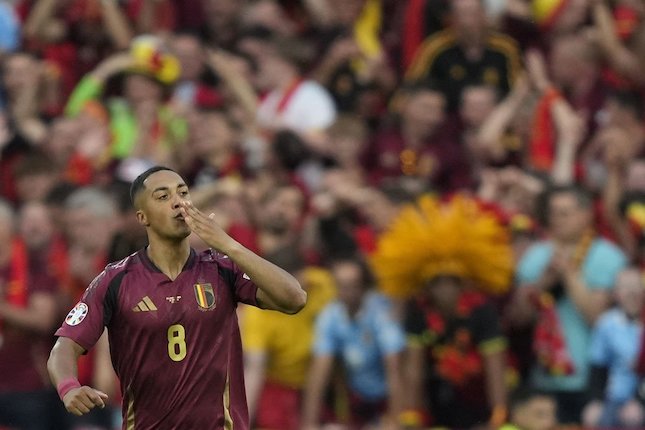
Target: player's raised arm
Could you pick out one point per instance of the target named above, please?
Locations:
(277, 289)
(62, 367)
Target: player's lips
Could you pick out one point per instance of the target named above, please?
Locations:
(179, 216)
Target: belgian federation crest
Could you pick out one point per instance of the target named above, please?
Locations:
(205, 296)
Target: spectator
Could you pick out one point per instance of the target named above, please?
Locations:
(277, 350)
(30, 95)
(530, 409)
(35, 176)
(221, 22)
(575, 70)
(354, 65)
(502, 137)
(421, 144)
(438, 257)
(214, 144)
(141, 124)
(292, 101)
(477, 103)
(28, 312)
(577, 270)
(73, 36)
(466, 53)
(615, 342)
(620, 131)
(10, 33)
(622, 47)
(360, 330)
(196, 81)
(91, 216)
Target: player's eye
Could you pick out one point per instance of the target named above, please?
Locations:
(162, 197)
(183, 193)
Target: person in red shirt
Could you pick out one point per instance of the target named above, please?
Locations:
(171, 317)
(28, 312)
(421, 144)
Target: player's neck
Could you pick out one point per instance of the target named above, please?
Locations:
(170, 258)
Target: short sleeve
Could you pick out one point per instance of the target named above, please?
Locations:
(389, 333)
(533, 263)
(414, 321)
(325, 340)
(243, 288)
(9, 29)
(486, 329)
(603, 265)
(314, 108)
(256, 330)
(85, 323)
(600, 352)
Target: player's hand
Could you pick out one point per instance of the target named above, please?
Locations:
(205, 227)
(80, 401)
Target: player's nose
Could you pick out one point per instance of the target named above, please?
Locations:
(176, 201)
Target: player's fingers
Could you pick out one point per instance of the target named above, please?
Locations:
(189, 216)
(74, 410)
(190, 222)
(194, 212)
(97, 399)
(88, 402)
(102, 394)
(81, 407)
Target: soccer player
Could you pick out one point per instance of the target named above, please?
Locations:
(171, 317)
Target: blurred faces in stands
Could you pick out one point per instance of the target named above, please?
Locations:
(477, 103)
(468, 19)
(282, 210)
(189, 51)
(16, 72)
(569, 215)
(90, 219)
(35, 176)
(423, 110)
(36, 225)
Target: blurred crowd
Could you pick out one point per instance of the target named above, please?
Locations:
(458, 184)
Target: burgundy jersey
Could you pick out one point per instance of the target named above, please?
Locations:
(175, 345)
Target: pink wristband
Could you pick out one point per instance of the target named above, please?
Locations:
(66, 385)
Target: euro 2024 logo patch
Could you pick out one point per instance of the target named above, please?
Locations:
(77, 315)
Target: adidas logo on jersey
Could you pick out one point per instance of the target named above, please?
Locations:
(145, 305)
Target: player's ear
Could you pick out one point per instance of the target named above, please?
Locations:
(142, 218)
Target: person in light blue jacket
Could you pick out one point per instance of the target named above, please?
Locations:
(360, 332)
(615, 343)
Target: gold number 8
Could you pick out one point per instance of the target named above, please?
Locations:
(176, 342)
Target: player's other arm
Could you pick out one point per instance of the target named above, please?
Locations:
(63, 372)
(277, 289)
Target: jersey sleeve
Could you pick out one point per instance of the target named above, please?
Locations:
(243, 288)
(84, 324)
